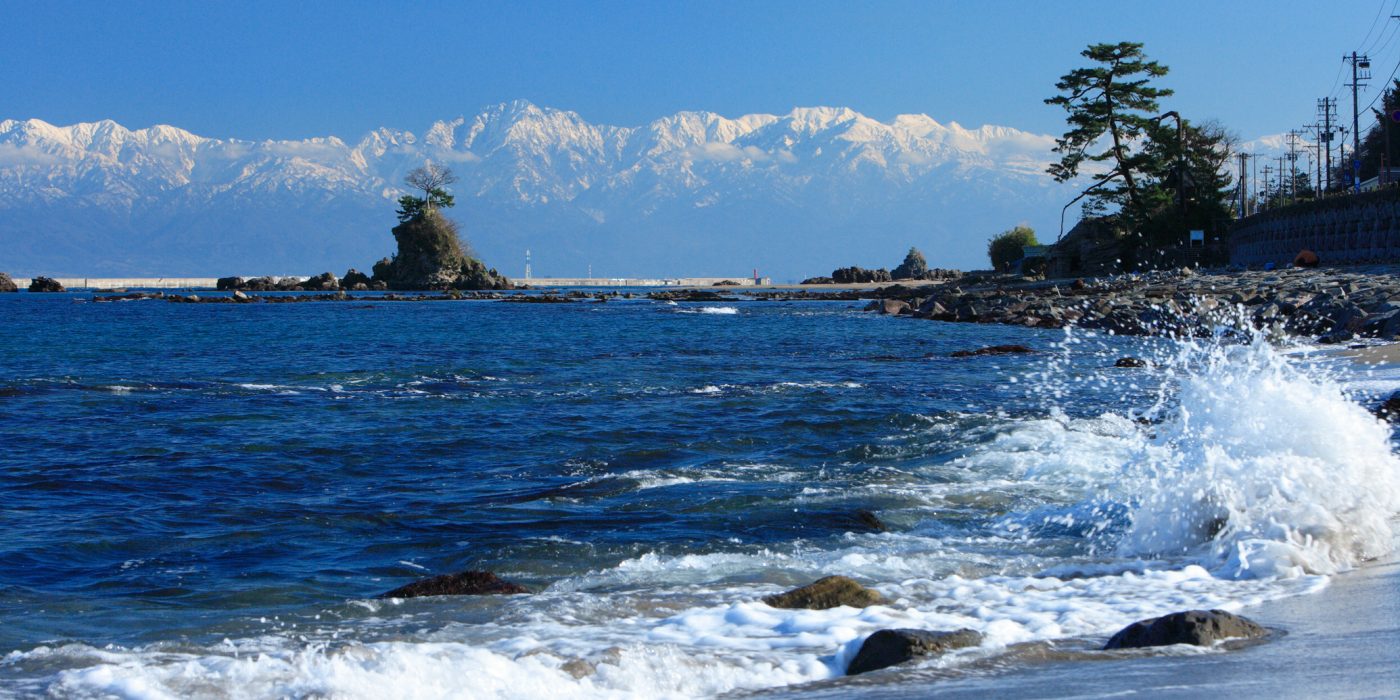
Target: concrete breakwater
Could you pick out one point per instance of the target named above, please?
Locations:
(129, 282)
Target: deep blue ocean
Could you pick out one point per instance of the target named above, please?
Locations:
(204, 500)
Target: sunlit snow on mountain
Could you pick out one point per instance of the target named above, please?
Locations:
(694, 193)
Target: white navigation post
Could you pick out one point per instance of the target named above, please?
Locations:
(527, 263)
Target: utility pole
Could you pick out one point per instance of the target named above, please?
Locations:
(1317, 147)
(1292, 165)
(1326, 111)
(1244, 184)
(1267, 170)
(1342, 148)
(1360, 72)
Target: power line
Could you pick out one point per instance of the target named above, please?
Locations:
(1379, 12)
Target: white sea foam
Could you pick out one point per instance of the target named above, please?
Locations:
(721, 310)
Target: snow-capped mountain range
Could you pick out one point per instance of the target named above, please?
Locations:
(694, 193)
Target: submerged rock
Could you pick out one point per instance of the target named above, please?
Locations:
(890, 647)
(1199, 627)
(1390, 410)
(464, 583)
(45, 284)
(1130, 362)
(993, 350)
(825, 593)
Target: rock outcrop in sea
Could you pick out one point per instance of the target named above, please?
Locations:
(464, 583)
(45, 284)
(7, 284)
(431, 257)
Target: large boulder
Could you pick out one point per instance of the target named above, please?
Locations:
(889, 647)
(7, 284)
(1201, 628)
(354, 277)
(825, 593)
(228, 284)
(893, 307)
(324, 282)
(464, 583)
(45, 284)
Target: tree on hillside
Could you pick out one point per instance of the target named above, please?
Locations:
(1111, 100)
(1006, 247)
(431, 179)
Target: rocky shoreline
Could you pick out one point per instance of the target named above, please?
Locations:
(1333, 305)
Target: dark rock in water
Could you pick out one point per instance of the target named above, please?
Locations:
(1199, 627)
(872, 521)
(993, 350)
(890, 647)
(354, 277)
(228, 284)
(894, 307)
(7, 284)
(324, 282)
(860, 275)
(824, 593)
(1305, 258)
(1130, 362)
(464, 583)
(45, 284)
(1390, 410)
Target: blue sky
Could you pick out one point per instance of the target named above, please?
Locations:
(297, 69)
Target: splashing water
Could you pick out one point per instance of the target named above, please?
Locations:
(1264, 469)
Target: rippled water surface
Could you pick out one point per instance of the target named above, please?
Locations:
(204, 500)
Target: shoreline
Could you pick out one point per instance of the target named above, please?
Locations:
(1336, 643)
(1332, 305)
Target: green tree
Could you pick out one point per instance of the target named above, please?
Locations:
(1187, 182)
(1005, 248)
(1373, 142)
(431, 179)
(1114, 100)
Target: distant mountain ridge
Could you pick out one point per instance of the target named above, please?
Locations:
(694, 193)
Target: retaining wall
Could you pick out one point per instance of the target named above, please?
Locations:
(1341, 230)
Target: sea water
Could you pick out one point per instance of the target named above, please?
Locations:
(207, 500)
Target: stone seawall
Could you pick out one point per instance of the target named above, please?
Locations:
(1350, 229)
